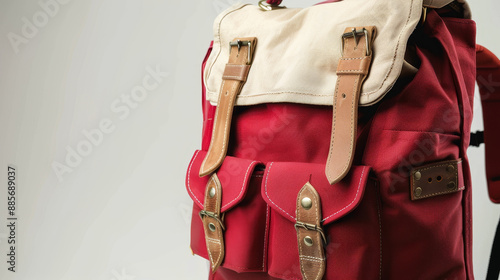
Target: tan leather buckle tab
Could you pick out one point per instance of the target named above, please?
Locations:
(235, 75)
(352, 70)
(354, 66)
(436, 179)
(236, 72)
(310, 236)
(213, 224)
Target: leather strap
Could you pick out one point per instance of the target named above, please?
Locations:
(352, 70)
(310, 236)
(488, 77)
(213, 222)
(235, 74)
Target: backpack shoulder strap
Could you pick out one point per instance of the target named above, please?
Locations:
(488, 79)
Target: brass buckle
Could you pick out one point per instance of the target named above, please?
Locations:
(311, 227)
(266, 7)
(212, 215)
(239, 43)
(355, 33)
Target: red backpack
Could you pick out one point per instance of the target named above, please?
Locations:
(335, 141)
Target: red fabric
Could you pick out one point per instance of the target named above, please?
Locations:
(274, 2)
(346, 195)
(488, 79)
(381, 234)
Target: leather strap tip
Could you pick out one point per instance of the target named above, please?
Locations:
(334, 179)
(204, 170)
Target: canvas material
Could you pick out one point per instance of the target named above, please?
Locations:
(384, 235)
(304, 47)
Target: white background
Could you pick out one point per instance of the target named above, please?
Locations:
(122, 212)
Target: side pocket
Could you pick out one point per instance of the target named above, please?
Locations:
(350, 220)
(243, 208)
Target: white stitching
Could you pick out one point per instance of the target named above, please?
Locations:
(357, 193)
(189, 176)
(213, 241)
(353, 58)
(334, 123)
(265, 239)
(239, 195)
(243, 187)
(236, 65)
(267, 195)
(213, 128)
(309, 257)
(240, 78)
(367, 94)
(334, 214)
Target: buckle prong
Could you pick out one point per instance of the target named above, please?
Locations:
(212, 215)
(311, 227)
(239, 43)
(355, 33)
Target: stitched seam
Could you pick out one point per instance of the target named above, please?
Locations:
(227, 121)
(299, 244)
(355, 92)
(361, 71)
(329, 161)
(210, 92)
(395, 53)
(309, 257)
(214, 128)
(243, 187)
(217, 209)
(236, 65)
(357, 193)
(213, 239)
(281, 92)
(310, 260)
(265, 239)
(240, 78)
(219, 43)
(189, 177)
(353, 58)
(267, 195)
(318, 238)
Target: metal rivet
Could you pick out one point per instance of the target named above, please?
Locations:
(306, 202)
(451, 185)
(211, 226)
(418, 175)
(418, 192)
(450, 168)
(308, 241)
(211, 193)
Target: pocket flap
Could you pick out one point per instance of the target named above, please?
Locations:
(283, 180)
(234, 175)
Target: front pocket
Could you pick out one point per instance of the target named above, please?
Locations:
(243, 208)
(350, 219)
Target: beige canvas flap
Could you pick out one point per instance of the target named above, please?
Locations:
(298, 49)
